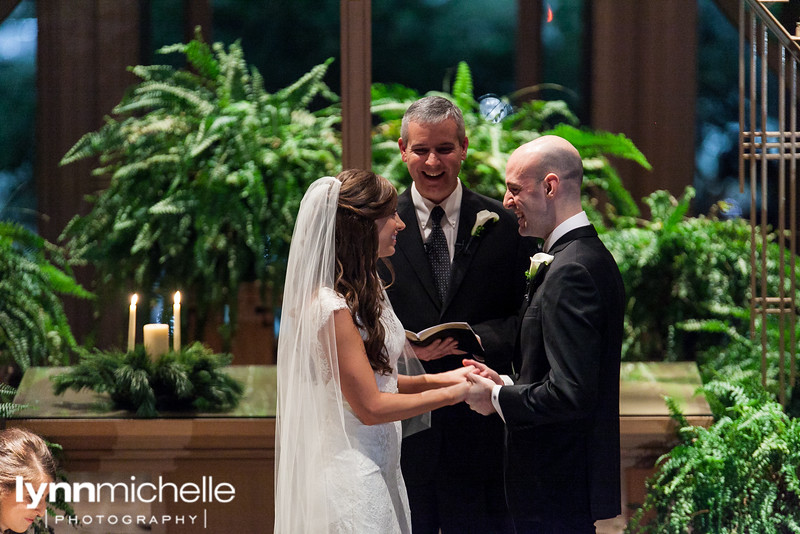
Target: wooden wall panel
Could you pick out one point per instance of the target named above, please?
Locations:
(528, 71)
(643, 84)
(84, 48)
(356, 54)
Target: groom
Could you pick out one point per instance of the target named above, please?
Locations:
(562, 411)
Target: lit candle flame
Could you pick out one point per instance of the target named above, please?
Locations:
(134, 299)
(549, 14)
(177, 297)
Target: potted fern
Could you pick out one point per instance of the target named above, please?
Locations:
(491, 142)
(206, 170)
(33, 326)
(739, 475)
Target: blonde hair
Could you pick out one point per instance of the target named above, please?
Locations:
(24, 454)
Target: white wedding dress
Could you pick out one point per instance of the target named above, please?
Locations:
(364, 481)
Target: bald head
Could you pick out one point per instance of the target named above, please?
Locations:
(543, 178)
(547, 154)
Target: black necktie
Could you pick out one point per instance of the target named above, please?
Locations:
(438, 254)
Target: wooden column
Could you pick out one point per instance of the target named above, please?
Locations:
(356, 54)
(643, 84)
(197, 13)
(528, 44)
(84, 48)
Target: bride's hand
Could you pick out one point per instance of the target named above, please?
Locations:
(455, 376)
(438, 349)
(483, 370)
(460, 391)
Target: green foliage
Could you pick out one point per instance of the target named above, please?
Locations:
(191, 379)
(33, 327)
(736, 358)
(687, 279)
(206, 174)
(491, 143)
(739, 475)
(7, 405)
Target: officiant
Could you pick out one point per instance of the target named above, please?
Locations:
(460, 259)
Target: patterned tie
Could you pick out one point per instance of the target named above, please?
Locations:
(438, 254)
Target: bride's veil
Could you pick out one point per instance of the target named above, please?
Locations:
(311, 437)
(310, 421)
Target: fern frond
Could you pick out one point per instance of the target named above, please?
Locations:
(462, 87)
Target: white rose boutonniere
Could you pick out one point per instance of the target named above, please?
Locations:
(483, 217)
(537, 260)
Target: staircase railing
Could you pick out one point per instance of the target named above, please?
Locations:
(769, 138)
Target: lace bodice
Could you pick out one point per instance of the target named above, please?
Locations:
(394, 339)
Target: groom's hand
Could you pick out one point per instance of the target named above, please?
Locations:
(479, 396)
(484, 371)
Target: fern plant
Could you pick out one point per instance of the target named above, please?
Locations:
(686, 278)
(33, 326)
(7, 405)
(491, 143)
(206, 173)
(739, 475)
(191, 379)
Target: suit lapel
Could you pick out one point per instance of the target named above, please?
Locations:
(410, 245)
(464, 247)
(537, 281)
(538, 278)
(577, 233)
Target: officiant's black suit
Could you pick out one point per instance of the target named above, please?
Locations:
(562, 418)
(462, 451)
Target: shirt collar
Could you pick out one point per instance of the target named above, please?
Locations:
(576, 221)
(451, 206)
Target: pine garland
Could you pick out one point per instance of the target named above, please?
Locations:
(191, 379)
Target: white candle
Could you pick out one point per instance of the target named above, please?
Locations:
(156, 339)
(176, 325)
(132, 322)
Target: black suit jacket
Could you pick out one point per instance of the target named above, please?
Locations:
(486, 290)
(562, 418)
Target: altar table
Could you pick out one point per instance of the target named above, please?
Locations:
(646, 429)
(238, 447)
(106, 445)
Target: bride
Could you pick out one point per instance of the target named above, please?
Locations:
(340, 395)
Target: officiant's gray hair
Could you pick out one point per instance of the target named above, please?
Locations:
(433, 110)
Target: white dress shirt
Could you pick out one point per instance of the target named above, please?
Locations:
(452, 209)
(578, 220)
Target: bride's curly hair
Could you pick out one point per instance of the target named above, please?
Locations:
(364, 197)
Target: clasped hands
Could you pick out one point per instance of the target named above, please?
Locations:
(482, 380)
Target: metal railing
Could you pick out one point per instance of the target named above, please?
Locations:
(769, 138)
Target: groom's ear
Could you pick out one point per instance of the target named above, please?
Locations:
(550, 184)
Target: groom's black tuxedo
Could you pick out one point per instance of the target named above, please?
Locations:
(461, 454)
(562, 418)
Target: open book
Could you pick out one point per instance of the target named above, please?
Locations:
(467, 339)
